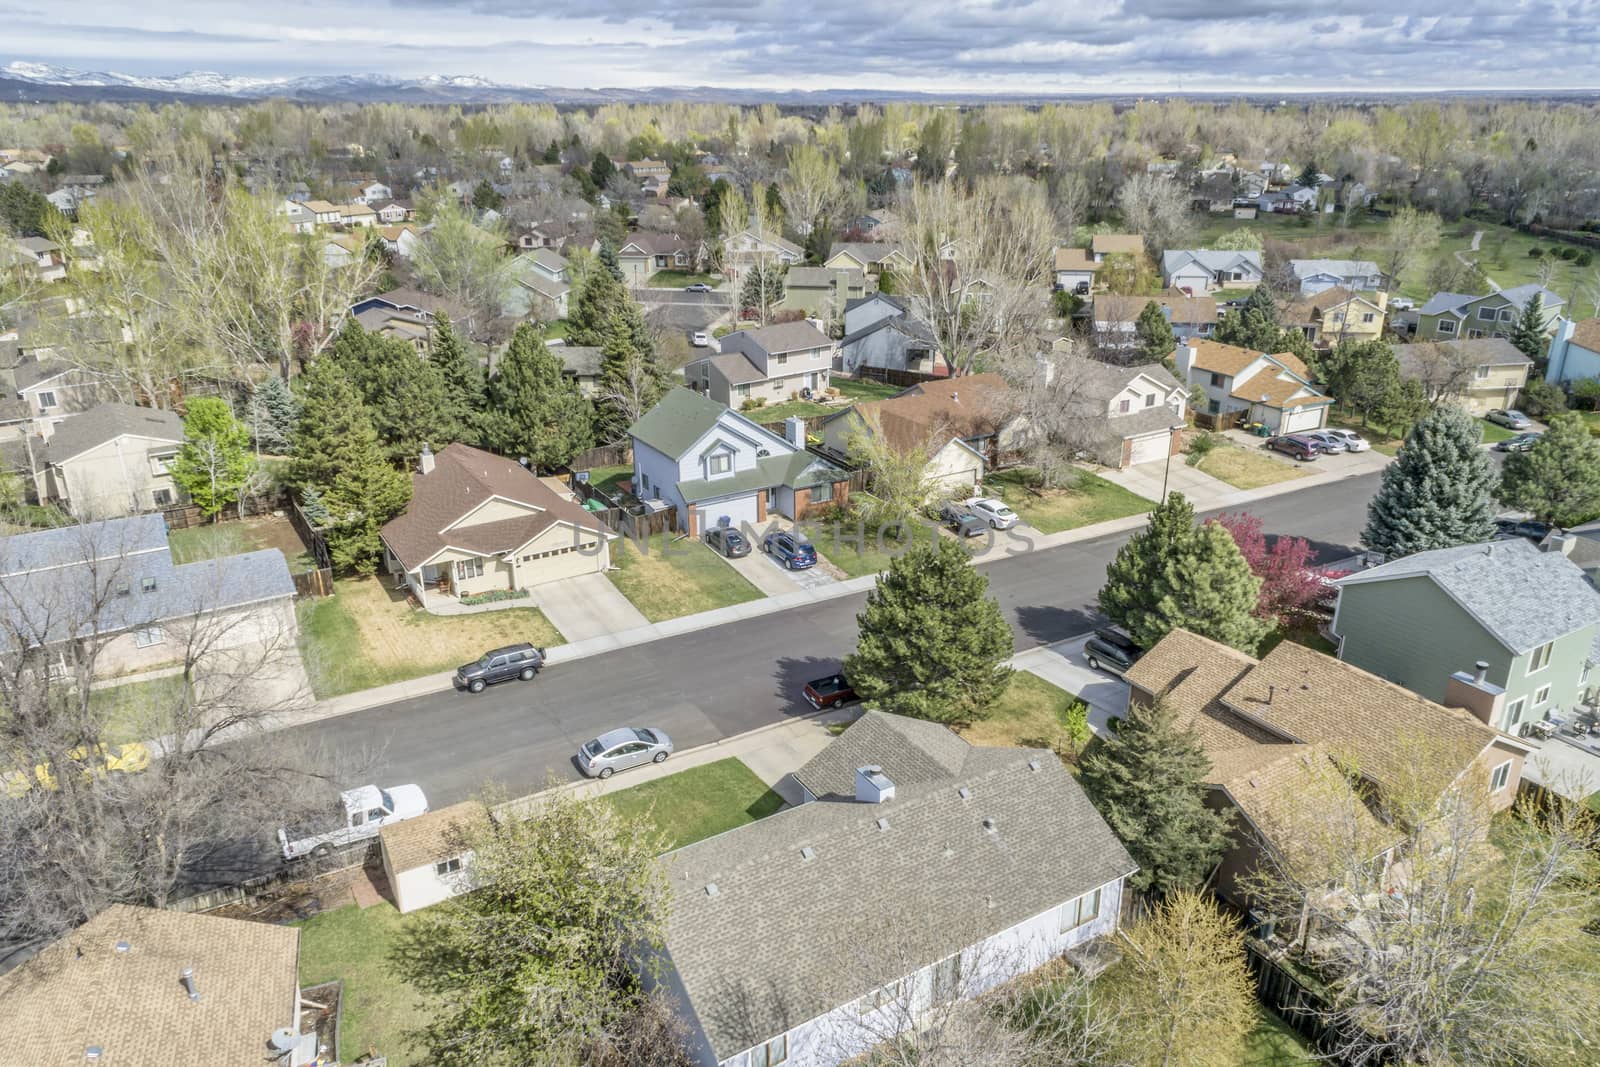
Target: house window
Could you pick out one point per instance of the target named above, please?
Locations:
(1487, 314)
(469, 568)
(1474, 333)
(743, 390)
(1541, 657)
(821, 494)
(1123, 406)
(1237, 275)
(1150, 400)
(1542, 696)
(147, 585)
(162, 497)
(1217, 379)
(1499, 777)
(1482, 372)
(149, 635)
(1447, 326)
(1506, 315)
(783, 360)
(1368, 316)
(449, 866)
(1074, 913)
(719, 463)
(771, 1054)
(47, 400)
(1514, 711)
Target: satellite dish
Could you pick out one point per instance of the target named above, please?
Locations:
(284, 1039)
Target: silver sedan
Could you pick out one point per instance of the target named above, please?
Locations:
(617, 750)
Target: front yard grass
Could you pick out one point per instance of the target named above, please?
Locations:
(357, 945)
(134, 711)
(770, 413)
(864, 388)
(677, 279)
(1244, 468)
(1029, 714)
(1380, 437)
(676, 577)
(859, 548)
(1090, 499)
(1493, 432)
(367, 634)
(699, 802)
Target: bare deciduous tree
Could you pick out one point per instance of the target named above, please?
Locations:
(810, 185)
(1157, 206)
(1409, 236)
(1444, 369)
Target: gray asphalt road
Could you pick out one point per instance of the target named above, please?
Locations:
(714, 683)
(722, 299)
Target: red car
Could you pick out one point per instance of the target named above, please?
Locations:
(830, 692)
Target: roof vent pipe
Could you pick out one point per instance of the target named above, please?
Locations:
(189, 984)
(1483, 672)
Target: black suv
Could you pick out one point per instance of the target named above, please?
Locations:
(1111, 651)
(500, 665)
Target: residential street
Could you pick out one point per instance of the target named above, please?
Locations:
(709, 684)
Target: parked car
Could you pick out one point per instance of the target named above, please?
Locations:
(1111, 651)
(700, 339)
(697, 287)
(617, 750)
(993, 511)
(361, 814)
(98, 759)
(1510, 419)
(1353, 442)
(1520, 443)
(1532, 529)
(964, 523)
(1327, 441)
(1297, 445)
(831, 692)
(789, 550)
(728, 541)
(500, 665)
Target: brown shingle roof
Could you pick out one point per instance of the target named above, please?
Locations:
(429, 838)
(1105, 244)
(1219, 358)
(970, 406)
(1271, 386)
(1294, 363)
(464, 478)
(1587, 334)
(81, 992)
(1074, 259)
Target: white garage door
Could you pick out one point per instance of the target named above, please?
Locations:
(1304, 419)
(1150, 448)
(738, 510)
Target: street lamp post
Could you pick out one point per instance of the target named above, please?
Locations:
(1176, 405)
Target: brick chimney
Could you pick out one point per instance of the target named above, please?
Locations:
(1475, 693)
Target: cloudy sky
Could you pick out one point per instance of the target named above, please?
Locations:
(974, 45)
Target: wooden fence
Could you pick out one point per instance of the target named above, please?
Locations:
(315, 582)
(184, 516)
(1225, 420)
(902, 378)
(624, 514)
(813, 422)
(1301, 1009)
(603, 456)
(311, 535)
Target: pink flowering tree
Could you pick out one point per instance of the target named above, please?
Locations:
(1291, 585)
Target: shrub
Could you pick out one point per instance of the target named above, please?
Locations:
(1568, 252)
(1535, 252)
(1584, 259)
(493, 596)
(1541, 398)
(752, 403)
(1201, 445)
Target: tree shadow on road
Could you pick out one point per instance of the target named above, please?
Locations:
(1047, 625)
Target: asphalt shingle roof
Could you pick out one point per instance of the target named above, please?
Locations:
(677, 421)
(910, 751)
(107, 422)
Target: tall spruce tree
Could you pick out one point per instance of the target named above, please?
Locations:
(533, 409)
(604, 315)
(405, 395)
(1157, 342)
(1558, 479)
(462, 374)
(608, 258)
(1172, 575)
(1528, 333)
(272, 415)
(933, 642)
(1146, 779)
(1436, 493)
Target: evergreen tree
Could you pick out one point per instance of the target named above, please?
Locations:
(762, 288)
(601, 170)
(484, 197)
(1254, 325)
(1528, 333)
(533, 409)
(552, 154)
(1364, 376)
(602, 314)
(1436, 492)
(1171, 575)
(215, 463)
(933, 644)
(1309, 175)
(1157, 342)
(1558, 479)
(608, 258)
(405, 395)
(462, 375)
(711, 205)
(272, 415)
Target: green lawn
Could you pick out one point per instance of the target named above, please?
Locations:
(698, 802)
(1243, 468)
(367, 635)
(1503, 256)
(556, 329)
(356, 945)
(677, 279)
(676, 577)
(770, 413)
(1090, 499)
(859, 551)
(605, 479)
(210, 540)
(1273, 1044)
(1493, 432)
(136, 711)
(1308, 637)
(1029, 714)
(864, 388)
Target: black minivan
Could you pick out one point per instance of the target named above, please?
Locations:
(500, 665)
(1111, 651)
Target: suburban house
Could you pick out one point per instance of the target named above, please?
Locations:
(407, 314)
(1102, 245)
(539, 285)
(1124, 415)
(53, 390)
(112, 460)
(149, 987)
(880, 335)
(870, 258)
(357, 215)
(769, 966)
(1202, 270)
(772, 363)
(371, 193)
(645, 252)
(1574, 351)
(326, 214)
(966, 425)
(144, 607)
(481, 524)
(1215, 194)
(1447, 316)
(1315, 275)
(341, 249)
(1275, 390)
(581, 363)
(44, 254)
(1481, 374)
(391, 212)
(640, 169)
(1074, 270)
(426, 858)
(717, 467)
(1190, 317)
(400, 240)
(746, 249)
(1273, 727)
(822, 291)
(1528, 613)
(297, 217)
(1336, 314)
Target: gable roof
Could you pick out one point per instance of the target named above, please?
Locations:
(1218, 358)
(887, 298)
(653, 243)
(1075, 259)
(432, 837)
(463, 479)
(759, 956)
(1482, 351)
(82, 992)
(1184, 310)
(1335, 268)
(1457, 303)
(1209, 259)
(908, 750)
(683, 416)
(822, 277)
(913, 328)
(1586, 334)
(1522, 595)
(107, 422)
(33, 372)
(1309, 309)
(581, 360)
(910, 418)
(1100, 381)
(785, 337)
(864, 252)
(1104, 244)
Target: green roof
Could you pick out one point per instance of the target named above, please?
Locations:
(797, 471)
(677, 421)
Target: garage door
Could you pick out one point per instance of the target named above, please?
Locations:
(1304, 419)
(1150, 448)
(737, 510)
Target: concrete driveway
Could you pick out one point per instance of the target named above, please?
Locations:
(1063, 664)
(773, 578)
(1199, 488)
(586, 606)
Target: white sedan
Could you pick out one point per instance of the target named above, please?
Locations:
(1353, 442)
(992, 511)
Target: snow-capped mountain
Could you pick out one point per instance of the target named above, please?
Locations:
(336, 86)
(196, 81)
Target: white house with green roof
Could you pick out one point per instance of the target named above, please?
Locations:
(718, 468)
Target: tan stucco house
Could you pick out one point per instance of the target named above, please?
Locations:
(1480, 373)
(113, 460)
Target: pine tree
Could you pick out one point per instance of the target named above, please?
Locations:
(1146, 779)
(552, 153)
(215, 463)
(1363, 376)
(1436, 493)
(1528, 333)
(272, 415)
(1157, 342)
(1558, 479)
(533, 409)
(462, 374)
(1171, 575)
(484, 197)
(762, 288)
(608, 258)
(604, 315)
(601, 170)
(933, 642)
(405, 395)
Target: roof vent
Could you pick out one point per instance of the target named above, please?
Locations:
(123, 948)
(187, 976)
(964, 793)
(1033, 765)
(807, 853)
(711, 889)
(92, 1054)
(989, 824)
(883, 824)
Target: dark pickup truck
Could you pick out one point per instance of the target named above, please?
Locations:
(830, 692)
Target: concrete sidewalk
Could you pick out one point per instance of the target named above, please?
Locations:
(1210, 494)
